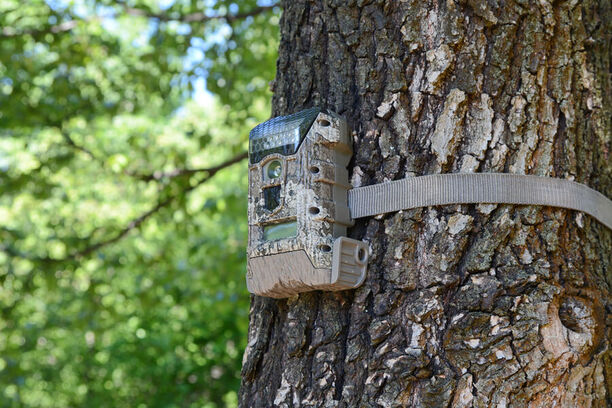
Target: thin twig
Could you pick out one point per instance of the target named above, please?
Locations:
(79, 147)
(135, 223)
(158, 175)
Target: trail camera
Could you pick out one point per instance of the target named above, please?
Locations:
(298, 207)
(301, 203)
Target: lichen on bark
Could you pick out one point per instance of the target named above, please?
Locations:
(463, 306)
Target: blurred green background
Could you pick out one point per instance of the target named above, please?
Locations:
(123, 127)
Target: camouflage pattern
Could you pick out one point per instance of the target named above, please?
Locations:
(313, 193)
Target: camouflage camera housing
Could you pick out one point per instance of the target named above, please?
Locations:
(298, 209)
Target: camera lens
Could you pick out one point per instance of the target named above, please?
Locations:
(275, 169)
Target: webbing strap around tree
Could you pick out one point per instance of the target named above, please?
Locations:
(472, 188)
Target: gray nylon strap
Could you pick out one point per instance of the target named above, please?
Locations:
(471, 188)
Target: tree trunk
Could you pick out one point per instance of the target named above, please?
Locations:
(471, 305)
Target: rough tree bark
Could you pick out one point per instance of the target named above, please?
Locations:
(475, 305)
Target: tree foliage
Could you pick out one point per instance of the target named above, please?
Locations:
(123, 127)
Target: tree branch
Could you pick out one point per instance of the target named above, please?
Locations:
(135, 223)
(158, 175)
(76, 146)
